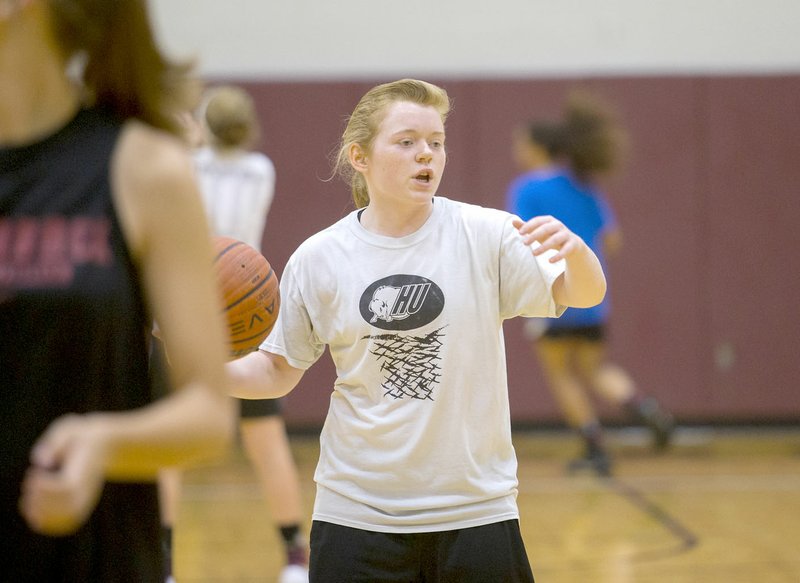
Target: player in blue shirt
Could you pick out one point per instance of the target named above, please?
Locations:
(560, 160)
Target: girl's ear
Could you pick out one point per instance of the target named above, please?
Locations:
(357, 157)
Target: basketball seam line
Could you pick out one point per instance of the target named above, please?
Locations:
(252, 291)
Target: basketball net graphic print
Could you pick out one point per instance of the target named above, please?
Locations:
(410, 363)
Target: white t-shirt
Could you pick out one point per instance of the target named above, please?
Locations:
(237, 192)
(417, 436)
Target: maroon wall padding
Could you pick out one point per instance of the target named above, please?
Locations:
(752, 239)
(706, 287)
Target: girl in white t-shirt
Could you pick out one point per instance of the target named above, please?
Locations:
(416, 479)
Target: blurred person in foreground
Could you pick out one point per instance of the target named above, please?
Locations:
(92, 176)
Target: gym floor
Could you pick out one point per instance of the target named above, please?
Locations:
(723, 504)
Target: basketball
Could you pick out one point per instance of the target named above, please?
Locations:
(250, 293)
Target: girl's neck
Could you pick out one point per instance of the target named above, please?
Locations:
(36, 96)
(393, 222)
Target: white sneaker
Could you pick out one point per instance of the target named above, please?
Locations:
(294, 574)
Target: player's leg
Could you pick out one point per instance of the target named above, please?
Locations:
(555, 353)
(555, 358)
(169, 494)
(608, 380)
(266, 445)
(169, 479)
(614, 384)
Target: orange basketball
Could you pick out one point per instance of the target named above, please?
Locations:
(250, 293)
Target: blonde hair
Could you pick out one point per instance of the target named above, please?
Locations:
(363, 123)
(230, 116)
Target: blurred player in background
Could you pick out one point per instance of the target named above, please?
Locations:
(92, 176)
(238, 185)
(416, 479)
(561, 161)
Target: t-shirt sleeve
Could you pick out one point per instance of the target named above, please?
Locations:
(293, 336)
(526, 281)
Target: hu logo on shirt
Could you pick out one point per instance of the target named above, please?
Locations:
(401, 302)
(410, 364)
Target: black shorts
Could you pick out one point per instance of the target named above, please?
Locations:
(592, 333)
(492, 553)
(256, 408)
(248, 408)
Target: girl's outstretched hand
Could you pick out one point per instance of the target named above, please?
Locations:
(550, 234)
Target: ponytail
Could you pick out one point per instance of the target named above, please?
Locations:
(591, 139)
(359, 190)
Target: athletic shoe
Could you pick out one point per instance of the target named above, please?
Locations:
(294, 574)
(596, 461)
(660, 423)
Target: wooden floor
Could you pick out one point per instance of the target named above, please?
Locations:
(721, 506)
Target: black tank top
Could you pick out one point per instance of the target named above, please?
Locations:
(72, 340)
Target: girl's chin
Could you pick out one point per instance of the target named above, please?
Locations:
(424, 190)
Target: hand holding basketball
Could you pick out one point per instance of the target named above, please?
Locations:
(250, 293)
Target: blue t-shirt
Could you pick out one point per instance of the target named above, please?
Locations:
(581, 208)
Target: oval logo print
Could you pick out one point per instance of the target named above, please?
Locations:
(401, 302)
